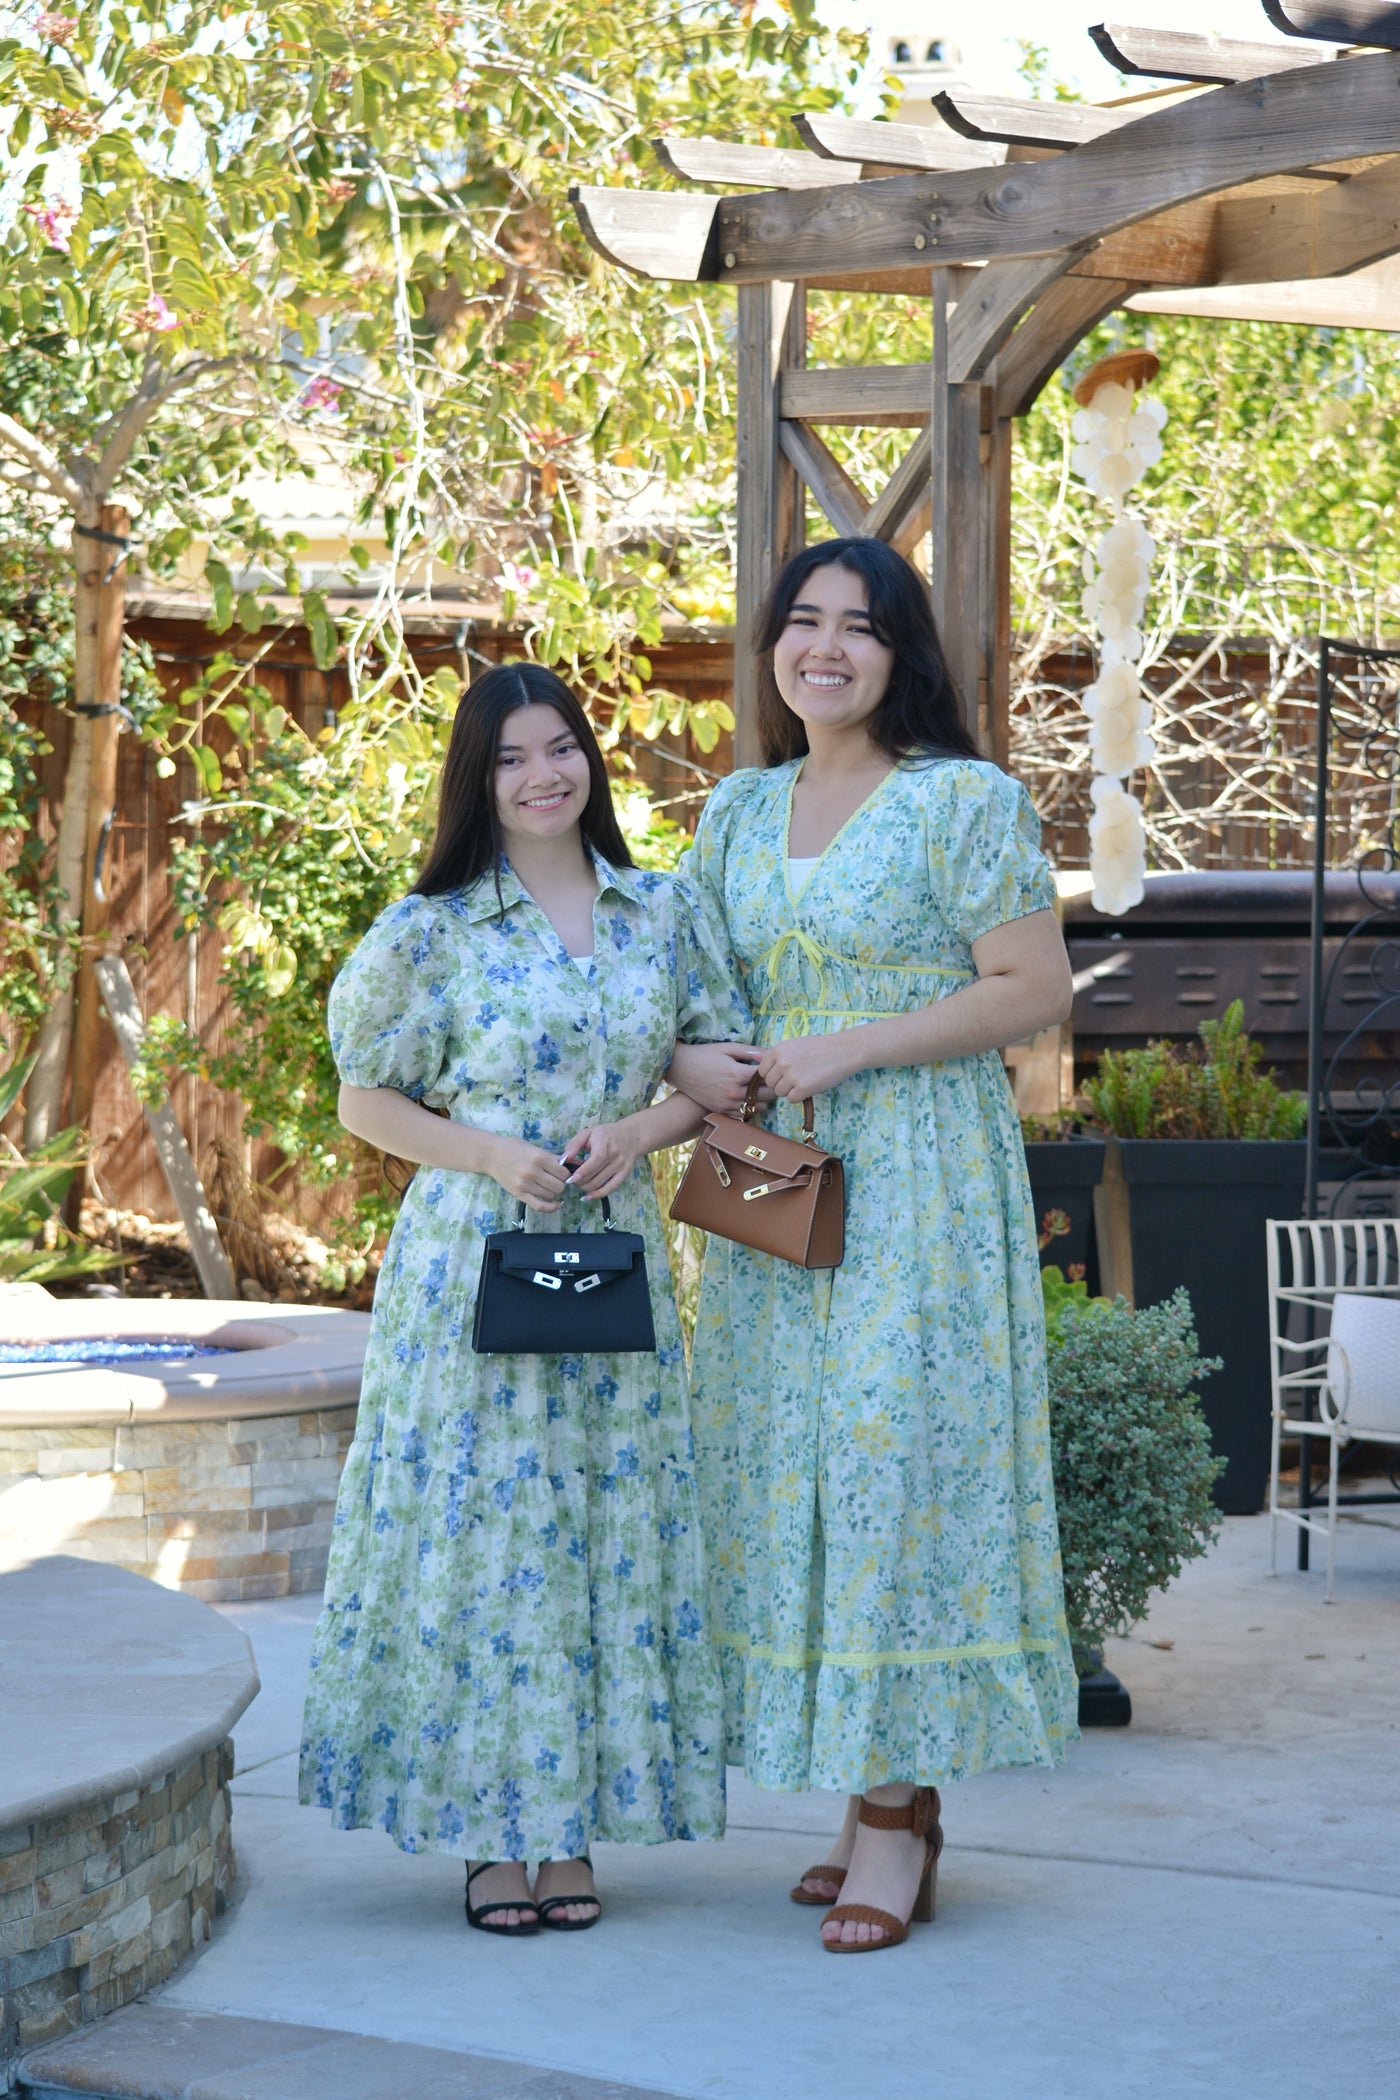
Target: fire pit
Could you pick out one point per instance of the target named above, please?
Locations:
(198, 1442)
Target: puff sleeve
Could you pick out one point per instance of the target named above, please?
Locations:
(702, 865)
(392, 1006)
(710, 1004)
(985, 863)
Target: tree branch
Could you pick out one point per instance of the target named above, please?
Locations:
(36, 454)
(144, 404)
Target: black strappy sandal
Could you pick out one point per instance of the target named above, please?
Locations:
(547, 1905)
(479, 1914)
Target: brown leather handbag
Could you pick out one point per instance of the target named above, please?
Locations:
(772, 1193)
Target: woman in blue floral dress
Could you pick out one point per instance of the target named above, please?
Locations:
(513, 1656)
(872, 1441)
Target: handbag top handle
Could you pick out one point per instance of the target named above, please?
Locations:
(607, 1216)
(747, 1112)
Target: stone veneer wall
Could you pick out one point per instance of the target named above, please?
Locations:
(100, 1904)
(224, 1510)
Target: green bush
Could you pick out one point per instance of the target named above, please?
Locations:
(35, 1244)
(1132, 1458)
(1170, 1090)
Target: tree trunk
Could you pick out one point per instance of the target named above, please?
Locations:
(88, 1028)
(44, 1094)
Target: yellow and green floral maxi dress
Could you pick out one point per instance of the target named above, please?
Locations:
(513, 1657)
(872, 1441)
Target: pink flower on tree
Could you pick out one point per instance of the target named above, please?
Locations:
(155, 317)
(53, 221)
(518, 577)
(56, 29)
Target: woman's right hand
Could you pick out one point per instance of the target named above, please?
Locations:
(525, 1172)
(716, 1075)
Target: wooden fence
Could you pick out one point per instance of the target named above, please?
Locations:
(181, 974)
(1231, 792)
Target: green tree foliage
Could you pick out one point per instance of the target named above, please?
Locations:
(240, 232)
(1132, 1458)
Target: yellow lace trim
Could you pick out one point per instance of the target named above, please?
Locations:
(893, 1658)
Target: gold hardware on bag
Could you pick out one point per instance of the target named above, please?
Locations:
(761, 1190)
(755, 1152)
(720, 1168)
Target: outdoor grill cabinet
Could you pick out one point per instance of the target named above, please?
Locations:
(1199, 940)
(1190, 1212)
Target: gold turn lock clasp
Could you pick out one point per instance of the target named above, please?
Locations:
(755, 1152)
(751, 1195)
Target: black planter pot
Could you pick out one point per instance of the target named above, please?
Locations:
(1064, 1174)
(1190, 1211)
(1104, 1700)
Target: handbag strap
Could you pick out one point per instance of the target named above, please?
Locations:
(607, 1216)
(750, 1107)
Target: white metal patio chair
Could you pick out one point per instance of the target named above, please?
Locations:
(1334, 1346)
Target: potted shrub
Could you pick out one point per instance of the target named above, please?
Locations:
(1065, 1163)
(1133, 1467)
(1202, 1148)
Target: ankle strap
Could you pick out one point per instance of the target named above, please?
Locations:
(919, 1815)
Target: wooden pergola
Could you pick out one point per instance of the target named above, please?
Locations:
(1256, 181)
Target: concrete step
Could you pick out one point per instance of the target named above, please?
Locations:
(156, 2052)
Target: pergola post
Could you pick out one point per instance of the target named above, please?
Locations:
(772, 338)
(961, 520)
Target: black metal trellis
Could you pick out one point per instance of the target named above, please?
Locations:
(1356, 1120)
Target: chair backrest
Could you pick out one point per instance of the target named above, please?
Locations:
(1313, 1262)
(1363, 1362)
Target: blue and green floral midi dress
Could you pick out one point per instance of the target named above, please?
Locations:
(872, 1441)
(513, 1658)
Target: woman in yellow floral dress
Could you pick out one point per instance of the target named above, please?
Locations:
(872, 1441)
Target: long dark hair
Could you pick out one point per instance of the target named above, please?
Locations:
(919, 716)
(468, 839)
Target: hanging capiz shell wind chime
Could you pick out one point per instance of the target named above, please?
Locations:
(1118, 432)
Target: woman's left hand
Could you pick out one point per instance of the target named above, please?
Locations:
(809, 1064)
(611, 1149)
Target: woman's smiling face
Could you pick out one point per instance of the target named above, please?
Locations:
(542, 777)
(827, 663)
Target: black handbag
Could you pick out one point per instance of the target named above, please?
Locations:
(564, 1293)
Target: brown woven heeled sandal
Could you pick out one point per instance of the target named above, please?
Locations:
(801, 1894)
(921, 1816)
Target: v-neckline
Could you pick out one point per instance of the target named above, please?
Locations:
(816, 859)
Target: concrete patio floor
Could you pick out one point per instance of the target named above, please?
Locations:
(1207, 1903)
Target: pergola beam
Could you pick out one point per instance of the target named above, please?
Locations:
(867, 396)
(883, 145)
(1172, 54)
(655, 233)
(1324, 233)
(1017, 121)
(1341, 21)
(1368, 298)
(1210, 142)
(751, 167)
